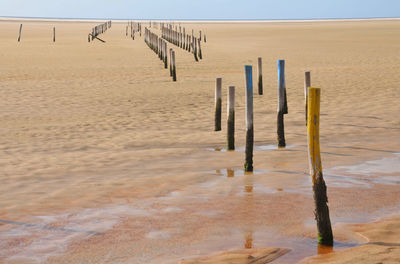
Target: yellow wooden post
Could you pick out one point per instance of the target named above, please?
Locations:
(325, 236)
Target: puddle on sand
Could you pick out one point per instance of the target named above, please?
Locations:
(383, 171)
(231, 173)
(382, 166)
(256, 148)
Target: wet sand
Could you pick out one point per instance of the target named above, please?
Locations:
(104, 159)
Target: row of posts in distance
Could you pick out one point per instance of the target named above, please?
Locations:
(99, 29)
(183, 40)
(134, 27)
(159, 46)
(312, 113)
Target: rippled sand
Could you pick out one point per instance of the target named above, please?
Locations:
(104, 159)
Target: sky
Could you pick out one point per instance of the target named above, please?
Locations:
(201, 9)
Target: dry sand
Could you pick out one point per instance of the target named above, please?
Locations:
(103, 159)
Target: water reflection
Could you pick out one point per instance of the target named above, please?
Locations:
(249, 240)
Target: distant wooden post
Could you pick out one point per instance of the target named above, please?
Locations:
(170, 62)
(195, 49)
(282, 104)
(307, 83)
(54, 34)
(19, 34)
(231, 118)
(205, 38)
(325, 236)
(248, 165)
(200, 35)
(89, 38)
(260, 79)
(126, 34)
(165, 55)
(200, 53)
(174, 66)
(218, 104)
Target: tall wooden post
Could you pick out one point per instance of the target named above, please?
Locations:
(19, 33)
(173, 66)
(260, 79)
(325, 236)
(307, 83)
(218, 104)
(248, 165)
(54, 34)
(231, 118)
(282, 104)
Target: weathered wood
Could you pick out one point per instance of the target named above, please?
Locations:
(200, 53)
(260, 78)
(54, 34)
(248, 165)
(218, 104)
(307, 83)
(174, 66)
(282, 105)
(95, 37)
(19, 33)
(170, 62)
(325, 236)
(231, 118)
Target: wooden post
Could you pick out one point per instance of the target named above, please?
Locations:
(325, 236)
(248, 165)
(54, 34)
(218, 104)
(282, 104)
(170, 62)
(165, 55)
(195, 49)
(260, 79)
(205, 38)
(307, 83)
(89, 38)
(174, 66)
(200, 53)
(231, 118)
(19, 34)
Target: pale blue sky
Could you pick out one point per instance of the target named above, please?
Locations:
(201, 9)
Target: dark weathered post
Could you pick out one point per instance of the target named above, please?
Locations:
(231, 118)
(248, 165)
(165, 55)
(325, 236)
(218, 104)
(307, 83)
(200, 53)
(170, 62)
(174, 66)
(19, 34)
(282, 104)
(260, 79)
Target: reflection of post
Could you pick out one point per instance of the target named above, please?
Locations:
(249, 240)
(325, 236)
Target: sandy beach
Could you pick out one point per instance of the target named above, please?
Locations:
(103, 159)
